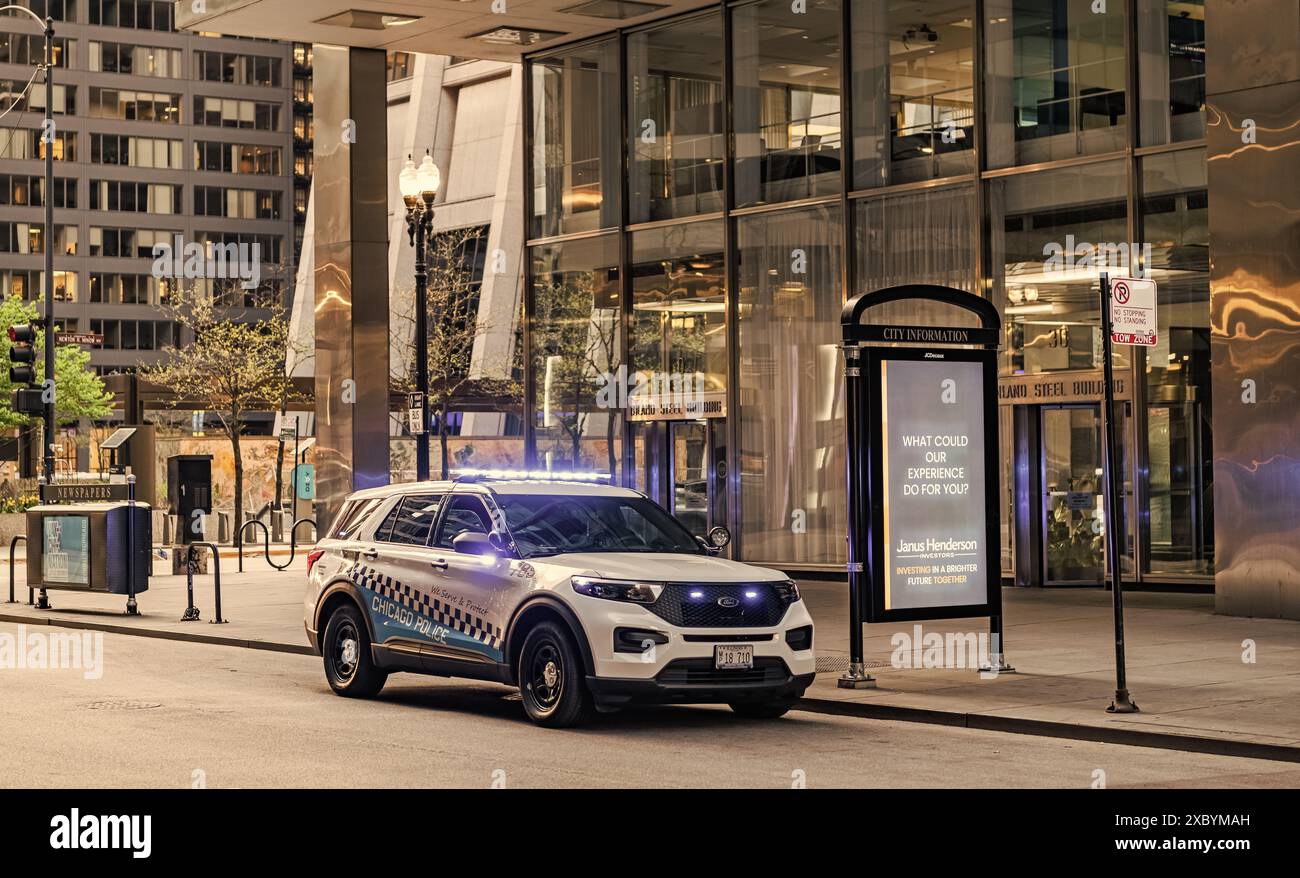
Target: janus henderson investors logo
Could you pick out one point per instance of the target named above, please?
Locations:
(196, 261)
(76, 831)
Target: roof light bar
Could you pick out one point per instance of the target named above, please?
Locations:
(530, 475)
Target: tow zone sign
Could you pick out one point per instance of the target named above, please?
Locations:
(1133, 311)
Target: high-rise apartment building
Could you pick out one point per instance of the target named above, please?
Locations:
(158, 134)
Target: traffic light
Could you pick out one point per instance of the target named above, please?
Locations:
(22, 353)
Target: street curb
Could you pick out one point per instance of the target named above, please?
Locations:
(1049, 729)
(211, 639)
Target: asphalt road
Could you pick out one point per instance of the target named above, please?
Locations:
(172, 714)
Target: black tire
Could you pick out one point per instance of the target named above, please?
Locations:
(351, 670)
(762, 709)
(551, 678)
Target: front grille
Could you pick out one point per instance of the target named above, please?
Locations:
(701, 672)
(726, 638)
(695, 605)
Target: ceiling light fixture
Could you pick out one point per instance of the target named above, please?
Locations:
(365, 19)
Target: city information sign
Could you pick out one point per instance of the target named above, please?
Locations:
(932, 415)
(1133, 311)
(923, 475)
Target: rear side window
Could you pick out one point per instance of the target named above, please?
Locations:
(352, 516)
(415, 517)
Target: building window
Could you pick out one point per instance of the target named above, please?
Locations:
(29, 49)
(237, 158)
(136, 60)
(786, 93)
(1055, 82)
(139, 14)
(675, 124)
(678, 310)
(30, 285)
(136, 152)
(29, 238)
(914, 101)
(791, 425)
(236, 203)
(1171, 69)
(28, 143)
(576, 140)
(576, 342)
(260, 248)
(918, 237)
(21, 189)
(1179, 524)
(135, 197)
(12, 96)
(128, 243)
(230, 113)
(1053, 232)
(59, 10)
(401, 65)
(112, 103)
(237, 69)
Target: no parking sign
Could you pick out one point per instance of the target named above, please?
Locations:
(1133, 311)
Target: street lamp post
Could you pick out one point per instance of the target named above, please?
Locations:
(47, 137)
(418, 187)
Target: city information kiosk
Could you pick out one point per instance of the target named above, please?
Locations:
(84, 547)
(921, 407)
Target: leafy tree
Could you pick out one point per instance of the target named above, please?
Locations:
(231, 365)
(78, 391)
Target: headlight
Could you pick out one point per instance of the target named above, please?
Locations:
(787, 591)
(618, 589)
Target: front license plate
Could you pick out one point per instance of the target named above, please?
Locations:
(733, 656)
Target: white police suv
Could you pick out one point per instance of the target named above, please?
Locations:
(585, 596)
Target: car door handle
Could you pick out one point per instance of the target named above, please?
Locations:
(440, 564)
(370, 554)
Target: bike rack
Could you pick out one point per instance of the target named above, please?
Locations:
(266, 537)
(192, 612)
(13, 544)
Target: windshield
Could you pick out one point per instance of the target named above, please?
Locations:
(551, 525)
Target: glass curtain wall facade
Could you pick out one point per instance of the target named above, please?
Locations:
(714, 186)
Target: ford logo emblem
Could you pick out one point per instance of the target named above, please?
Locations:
(728, 602)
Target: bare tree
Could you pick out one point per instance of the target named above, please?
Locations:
(456, 326)
(577, 345)
(232, 363)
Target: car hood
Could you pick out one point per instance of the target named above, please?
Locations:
(661, 567)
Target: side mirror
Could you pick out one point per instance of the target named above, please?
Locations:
(471, 543)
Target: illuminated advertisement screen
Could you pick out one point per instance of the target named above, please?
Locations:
(934, 484)
(65, 553)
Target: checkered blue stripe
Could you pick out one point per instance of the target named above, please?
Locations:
(420, 602)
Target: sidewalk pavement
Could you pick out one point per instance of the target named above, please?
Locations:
(1190, 670)
(262, 606)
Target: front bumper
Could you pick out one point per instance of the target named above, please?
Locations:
(682, 668)
(692, 684)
